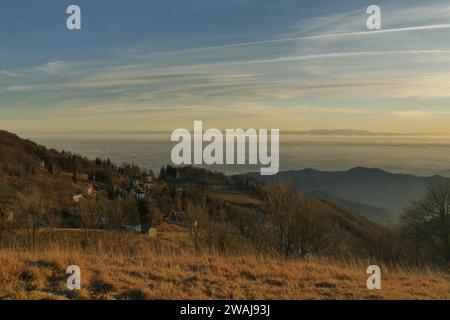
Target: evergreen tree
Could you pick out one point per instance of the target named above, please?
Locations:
(74, 169)
(163, 173)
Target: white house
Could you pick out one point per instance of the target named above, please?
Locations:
(148, 179)
(77, 197)
(89, 191)
(140, 195)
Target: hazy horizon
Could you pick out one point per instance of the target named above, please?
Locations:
(422, 156)
(342, 95)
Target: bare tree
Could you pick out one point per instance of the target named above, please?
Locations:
(149, 212)
(3, 221)
(32, 208)
(111, 214)
(90, 212)
(429, 221)
(130, 210)
(197, 218)
(295, 220)
(281, 203)
(308, 227)
(217, 235)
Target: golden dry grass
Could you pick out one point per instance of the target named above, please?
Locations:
(156, 271)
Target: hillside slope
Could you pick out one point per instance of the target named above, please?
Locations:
(25, 164)
(372, 187)
(376, 214)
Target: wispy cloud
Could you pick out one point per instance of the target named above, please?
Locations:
(54, 67)
(418, 113)
(9, 73)
(351, 54)
(336, 35)
(138, 54)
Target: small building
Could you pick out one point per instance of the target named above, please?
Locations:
(147, 186)
(152, 232)
(89, 191)
(140, 195)
(132, 228)
(77, 196)
(149, 230)
(148, 179)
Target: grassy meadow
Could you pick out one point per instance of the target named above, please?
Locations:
(125, 266)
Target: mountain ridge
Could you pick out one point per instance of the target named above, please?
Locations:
(369, 186)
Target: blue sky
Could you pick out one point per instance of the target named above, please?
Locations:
(160, 65)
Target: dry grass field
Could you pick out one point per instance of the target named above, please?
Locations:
(118, 266)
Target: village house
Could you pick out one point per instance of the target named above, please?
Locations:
(132, 228)
(152, 232)
(136, 183)
(147, 186)
(89, 191)
(140, 195)
(77, 196)
(148, 230)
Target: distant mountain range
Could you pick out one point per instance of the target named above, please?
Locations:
(346, 132)
(320, 132)
(374, 193)
(445, 173)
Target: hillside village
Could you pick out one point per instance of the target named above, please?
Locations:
(139, 188)
(72, 181)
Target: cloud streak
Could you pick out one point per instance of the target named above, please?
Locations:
(335, 55)
(318, 37)
(143, 74)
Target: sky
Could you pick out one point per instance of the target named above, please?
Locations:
(161, 64)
